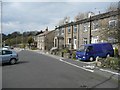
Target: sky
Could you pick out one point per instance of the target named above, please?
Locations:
(36, 16)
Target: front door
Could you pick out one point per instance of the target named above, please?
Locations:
(75, 43)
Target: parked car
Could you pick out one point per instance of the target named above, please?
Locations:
(11, 47)
(6, 48)
(8, 56)
(92, 51)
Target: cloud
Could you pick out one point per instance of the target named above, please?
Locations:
(38, 15)
(60, 0)
(10, 26)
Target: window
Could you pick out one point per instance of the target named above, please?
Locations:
(62, 31)
(5, 52)
(112, 23)
(95, 25)
(112, 40)
(55, 42)
(85, 40)
(95, 39)
(85, 27)
(68, 29)
(57, 32)
(89, 48)
(0, 52)
(75, 29)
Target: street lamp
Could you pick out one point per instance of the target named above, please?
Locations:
(0, 24)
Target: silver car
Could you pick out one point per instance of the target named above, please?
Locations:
(8, 56)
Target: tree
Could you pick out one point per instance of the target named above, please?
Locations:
(81, 16)
(110, 31)
(64, 20)
(30, 41)
(113, 7)
(4, 36)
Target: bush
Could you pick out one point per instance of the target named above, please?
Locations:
(65, 50)
(116, 52)
(22, 46)
(110, 62)
(33, 48)
(74, 55)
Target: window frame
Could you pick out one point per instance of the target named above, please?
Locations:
(111, 21)
(85, 27)
(69, 30)
(95, 26)
(85, 40)
(75, 29)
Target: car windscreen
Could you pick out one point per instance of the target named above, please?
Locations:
(0, 52)
(82, 48)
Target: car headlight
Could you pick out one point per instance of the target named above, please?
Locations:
(83, 56)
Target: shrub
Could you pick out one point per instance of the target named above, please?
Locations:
(33, 48)
(116, 52)
(110, 62)
(65, 50)
(74, 55)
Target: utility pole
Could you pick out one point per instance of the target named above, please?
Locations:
(0, 24)
(22, 39)
(90, 36)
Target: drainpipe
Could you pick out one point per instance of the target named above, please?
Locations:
(58, 42)
(65, 38)
(78, 31)
(72, 38)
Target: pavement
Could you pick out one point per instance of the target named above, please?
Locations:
(37, 69)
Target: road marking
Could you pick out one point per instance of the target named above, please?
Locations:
(86, 62)
(109, 71)
(90, 66)
(76, 65)
(83, 66)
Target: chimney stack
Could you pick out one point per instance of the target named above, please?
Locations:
(47, 29)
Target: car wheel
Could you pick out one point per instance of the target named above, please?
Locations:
(12, 61)
(108, 55)
(91, 59)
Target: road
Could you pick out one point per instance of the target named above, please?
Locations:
(36, 70)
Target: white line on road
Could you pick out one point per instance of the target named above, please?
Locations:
(84, 67)
(110, 71)
(76, 66)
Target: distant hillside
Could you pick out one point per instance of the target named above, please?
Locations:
(17, 37)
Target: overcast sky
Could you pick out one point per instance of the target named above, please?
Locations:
(30, 16)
